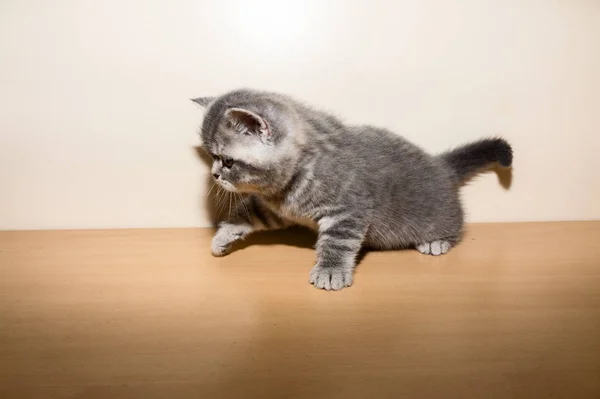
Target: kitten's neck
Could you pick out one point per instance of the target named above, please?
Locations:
(296, 181)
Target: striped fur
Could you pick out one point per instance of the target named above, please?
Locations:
(358, 186)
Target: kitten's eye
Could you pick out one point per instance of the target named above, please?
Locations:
(227, 162)
(215, 157)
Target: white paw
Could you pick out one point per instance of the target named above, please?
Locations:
(330, 278)
(224, 239)
(434, 248)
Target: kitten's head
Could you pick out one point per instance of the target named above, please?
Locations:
(253, 139)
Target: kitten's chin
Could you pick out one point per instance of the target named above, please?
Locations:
(227, 186)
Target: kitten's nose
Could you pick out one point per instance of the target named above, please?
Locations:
(216, 175)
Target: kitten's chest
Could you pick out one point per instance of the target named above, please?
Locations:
(293, 214)
(302, 221)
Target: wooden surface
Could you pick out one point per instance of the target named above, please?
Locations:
(514, 311)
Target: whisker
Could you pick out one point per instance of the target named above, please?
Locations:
(220, 200)
(229, 214)
(243, 200)
(212, 187)
(236, 205)
(224, 199)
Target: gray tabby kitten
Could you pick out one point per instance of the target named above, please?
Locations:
(357, 186)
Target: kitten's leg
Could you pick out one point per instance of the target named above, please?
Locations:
(339, 242)
(226, 235)
(249, 216)
(435, 248)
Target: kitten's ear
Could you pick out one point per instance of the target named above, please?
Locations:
(203, 101)
(247, 122)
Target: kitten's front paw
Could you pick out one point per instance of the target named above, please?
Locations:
(218, 249)
(330, 278)
(223, 241)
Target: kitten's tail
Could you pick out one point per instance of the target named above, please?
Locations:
(472, 158)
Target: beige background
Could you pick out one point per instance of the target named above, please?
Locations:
(97, 131)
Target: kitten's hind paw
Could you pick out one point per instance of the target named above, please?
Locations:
(435, 248)
(330, 278)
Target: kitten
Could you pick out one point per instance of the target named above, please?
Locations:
(357, 186)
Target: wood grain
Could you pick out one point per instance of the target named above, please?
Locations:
(513, 312)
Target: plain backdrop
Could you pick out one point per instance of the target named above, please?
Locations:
(97, 130)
